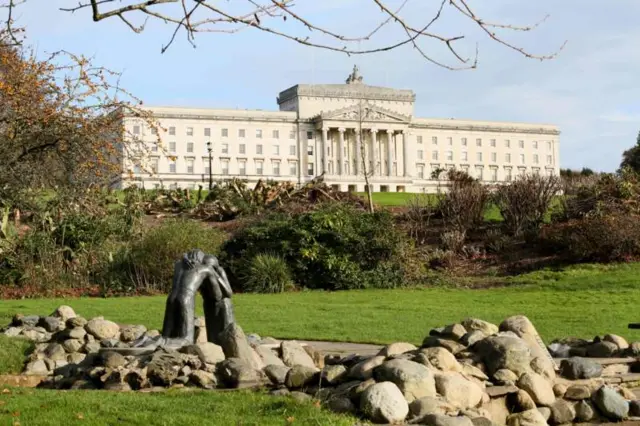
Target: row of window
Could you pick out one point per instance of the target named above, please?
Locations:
(224, 132)
(464, 156)
(224, 167)
(492, 142)
(224, 149)
(479, 172)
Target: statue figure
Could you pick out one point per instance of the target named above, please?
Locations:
(355, 76)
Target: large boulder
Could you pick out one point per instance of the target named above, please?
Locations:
(414, 380)
(364, 369)
(102, 329)
(294, 354)
(132, 332)
(584, 411)
(396, 349)
(333, 374)
(576, 368)
(458, 390)
(276, 373)
(430, 405)
(64, 312)
(268, 356)
(523, 328)
(527, 418)
(208, 353)
(562, 412)
(619, 341)
(384, 403)
(443, 420)
(610, 403)
(485, 327)
(538, 387)
(508, 352)
(237, 373)
(300, 376)
(602, 349)
(441, 359)
(235, 345)
(164, 367)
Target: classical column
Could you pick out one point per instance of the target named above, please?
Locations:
(374, 151)
(341, 153)
(358, 151)
(389, 153)
(405, 153)
(324, 150)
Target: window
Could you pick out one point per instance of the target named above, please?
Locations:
(507, 158)
(207, 131)
(154, 131)
(136, 129)
(419, 139)
(293, 169)
(276, 134)
(464, 141)
(276, 150)
(449, 155)
(259, 149)
(275, 165)
(494, 174)
(242, 133)
(172, 166)
(421, 172)
(507, 143)
(259, 169)
(292, 150)
(309, 149)
(507, 175)
(521, 144)
(478, 142)
(536, 171)
(450, 141)
(310, 169)
(478, 156)
(154, 147)
(434, 155)
(189, 131)
(189, 146)
(548, 146)
(492, 142)
(154, 165)
(242, 148)
(535, 144)
(224, 133)
(434, 140)
(172, 147)
(521, 158)
(259, 133)
(464, 156)
(190, 166)
(172, 131)
(136, 168)
(206, 165)
(242, 168)
(310, 134)
(225, 148)
(494, 157)
(225, 167)
(549, 159)
(480, 173)
(535, 159)
(292, 134)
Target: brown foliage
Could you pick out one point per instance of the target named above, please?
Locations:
(462, 205)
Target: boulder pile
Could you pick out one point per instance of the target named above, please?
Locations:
(470, 373)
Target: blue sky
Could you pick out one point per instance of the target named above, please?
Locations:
(590, 90)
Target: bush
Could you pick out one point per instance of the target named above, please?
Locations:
(334, 247)
(420, 209)
(463, 205)
(452, 241)
(147, 265)
(496, 241)
(266, 273)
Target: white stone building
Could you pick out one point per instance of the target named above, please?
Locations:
(326, 129)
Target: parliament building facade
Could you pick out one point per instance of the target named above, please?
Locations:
(340, 131)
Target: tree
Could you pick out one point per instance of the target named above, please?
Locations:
(363, 113)
(281, 18)
(631, 157)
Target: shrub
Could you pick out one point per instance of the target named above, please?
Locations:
(147, 265)
(496, 241)
(266, 273)
(525, 202)
(334, 247)
(463, 204)
(420, 209)
(452, 241)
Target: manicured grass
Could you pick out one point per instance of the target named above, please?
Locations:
(390, 198)
(582, 301)
(12, 353)
(42, 407)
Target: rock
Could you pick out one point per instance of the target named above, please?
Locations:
(76, 358)
(76, 322)
(634, 408)
(294, 354)
(55, 352)
(577, 393)
(457, 390)
(455, 331)
(72, 345)
(300, 397)
(36, 368)
(537, 387)
(117, 386)
(64, 312)
(442, 420)
(511, 353)
(51, 324)
(333, 374)
(485, 327)
(163, 368)
(254, 339)
(559, 350)
(576, 368)
(482, 421)
(559, 389)
(451, 345)
(543, 367)
(546, 412)
(268, 356)
(102, 329)
(132, 332)
(112, 343)
(26, 321)
(396, 349)
(413, 379)
(203, 379)
(633, 349)
(441, 359)
(37, 334)
(280, 392)
(364, 369)
(316, 356)
(200, 335)
(615, 370)
(91, 348)
(153, 333)
(111, 359)
(523, 328)
(562, 412)
(602, 350)
(300, 376)
(584, 411)
(75, 333)
(276, 373)
(235, 345)
(341, 405)
(527, 418)
(237, 373)
(83, 385)
(619, 341)
(12, 331)
(472, 337)
(430, 405)
(471, 371)
(208, 353)
(627, 393)
(505, 377)
(523, 401)
(610, 403)
(384, 403)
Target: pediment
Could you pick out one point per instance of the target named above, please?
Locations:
(367, 111)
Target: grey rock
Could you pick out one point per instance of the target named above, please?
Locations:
(163, 368)
(505, 377)
(482, 421)
(237, 373)
(300, 376)
(75, 332)
(111, 359)
(111, 343)
(458, 390)
(276, 373)
(523, 328)
(102, 329)
(132, 332)
(522, 401)
(577, 392)
(280, 392)
(203, 379)
(562, 412)
(396, 348)
(76, 358)
(454, 331)
(430, 405)
(559, 350)
(602, 350)
(72, 345)
(576, 368)
(584, 411)
(208, 353)
(294, 354)
(546, 412)
(268, 355)
(413, 379)
(364, 369)
(619, 341)
(76, 322)
(538, 388)
(235, 345)
(527, 418)
(301, 397)
(254, 339)
(12, 331)
(611, 403)
(434, 342)
(634, 408)
(443, 420)
(91, 348)
(441, 359)
(485, 327)
(333, 375)
(29, 320)
(36, 368)
(505, 352)
(472, 337)
(55, 352)
(384, 403)
(51, 324)
(64, 312)
(341, 405)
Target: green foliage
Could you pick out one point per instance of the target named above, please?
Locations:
(13, 351)
(266, 273)
(631, 157)
(334, 247)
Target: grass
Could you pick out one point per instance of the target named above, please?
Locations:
(12, 353)
(45, 407)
